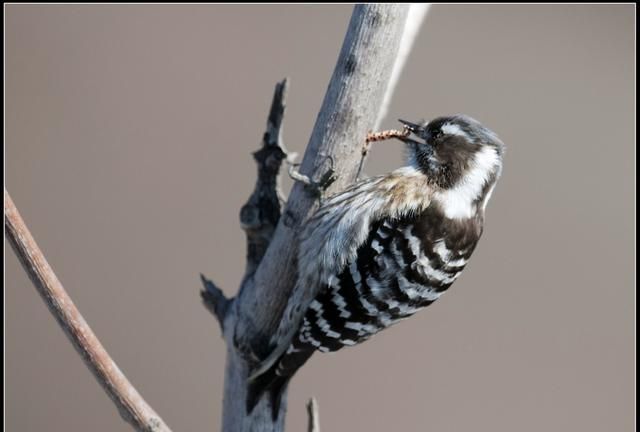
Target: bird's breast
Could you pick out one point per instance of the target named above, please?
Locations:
(404, 265)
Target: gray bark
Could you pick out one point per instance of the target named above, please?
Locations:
(349, 111)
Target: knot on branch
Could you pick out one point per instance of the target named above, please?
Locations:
(270, 156)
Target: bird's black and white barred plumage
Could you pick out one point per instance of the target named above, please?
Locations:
(386, 247)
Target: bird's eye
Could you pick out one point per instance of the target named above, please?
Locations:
(436, 135)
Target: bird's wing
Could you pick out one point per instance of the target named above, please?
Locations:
(332, 236)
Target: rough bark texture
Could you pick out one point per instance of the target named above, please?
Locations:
(349, 111)
(130, 404)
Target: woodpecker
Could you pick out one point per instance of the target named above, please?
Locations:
(386, 247)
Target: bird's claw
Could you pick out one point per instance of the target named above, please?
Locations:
(317, 188)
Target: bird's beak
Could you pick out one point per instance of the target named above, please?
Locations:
(411, 126)
(416, 130)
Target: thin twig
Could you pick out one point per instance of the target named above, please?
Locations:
(130, 404)
(214, 300)
(387, 134)
(314, 417)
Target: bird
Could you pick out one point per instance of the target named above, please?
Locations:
(385, 247)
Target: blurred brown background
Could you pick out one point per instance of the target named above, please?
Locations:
(128, 139)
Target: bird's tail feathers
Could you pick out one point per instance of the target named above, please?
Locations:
(269, 382)
(275, 379)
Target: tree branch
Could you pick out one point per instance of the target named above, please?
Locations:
(314, 418)
(130, 404)
(415, 18)
(214, 300)
(260, 215)
(349, 111)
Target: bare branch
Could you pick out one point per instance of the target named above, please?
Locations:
(260, 215)
(214, 300)
(314, 417)
(417, 14)
(130, 404)
(349, 111)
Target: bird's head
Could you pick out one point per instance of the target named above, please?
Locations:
(454, 151)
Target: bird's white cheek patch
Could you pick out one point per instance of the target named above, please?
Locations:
(458, 202)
